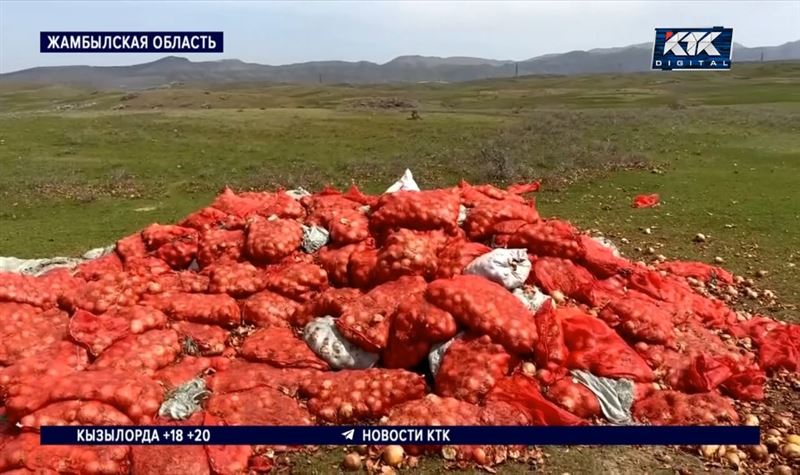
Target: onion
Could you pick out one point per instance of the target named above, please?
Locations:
(393, 455)
(352, 461)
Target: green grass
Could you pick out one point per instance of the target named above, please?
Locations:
(725, 146)
(728, 145)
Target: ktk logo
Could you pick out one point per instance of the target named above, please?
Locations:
(697, 42)
(698, 49)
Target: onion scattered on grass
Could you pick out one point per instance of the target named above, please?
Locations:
(352, 461)
(393, 455)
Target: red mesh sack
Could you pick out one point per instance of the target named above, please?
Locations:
(329, 198)
(96, 268)
(550, 347)
(156, 235)
(179, 253)
(695, 344)
(646, 201)
(206, 339)
(756, 328)
(26, 453)
(676, 408)
(146, 267)
(270, 240)
(131, 247)
(238, 279)
(281, 348)
(361, 269)
(600, 260)
(279, 204)
(335, 260)
(86, 413)
(184, 281)
(171, 459)
(407, 252)
(600, 292)
(26, 330)
(296, 279)
(780, 349)
(455, 255)
(263, 406)
(639, 318)
(416, 325)
(552, 273)
(268, 309)
(43, 291)
(596, 348)
(216, 309)
(486, 308)
(661, 287)
(366, 321)
(188, 368)
(503, 232)
(331, 302)
(433, 410)
(746, 386)
(347, 225)
(522, 188)
(697, 270)
(145, 353)
(237, 205)
(61, 359)
(471, 367)
(517, 400)
(550, 237)
(210, 218)
(482, 218)
(575, 398)
(239, 375)
(419, 210)
(712, 312)
(137, 396)
(122, 289)
(99, 332)
(357, 395)
(705, 373)
(226, 459)
(220, 245)
(355, 194)
(473, 195)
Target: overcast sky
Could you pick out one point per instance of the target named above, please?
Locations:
(284, 32)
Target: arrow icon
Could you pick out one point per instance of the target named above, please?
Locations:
(349, 434)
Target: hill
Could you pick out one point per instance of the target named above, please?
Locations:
(403, 69)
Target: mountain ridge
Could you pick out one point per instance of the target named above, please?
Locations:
(402, 69)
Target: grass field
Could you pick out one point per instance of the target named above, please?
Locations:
(80, 168)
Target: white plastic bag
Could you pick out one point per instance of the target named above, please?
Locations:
(184, 400)
(325, 340)
(608, 243)
(298, 193)
(437, 353)
(532, 297)
(462, 214)
(508, 267)
(98, 252)
(314, 237)
(405, 183)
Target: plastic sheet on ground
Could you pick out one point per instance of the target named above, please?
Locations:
(615, 395)
(326, 342)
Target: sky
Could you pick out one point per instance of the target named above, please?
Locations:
(293, 32)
